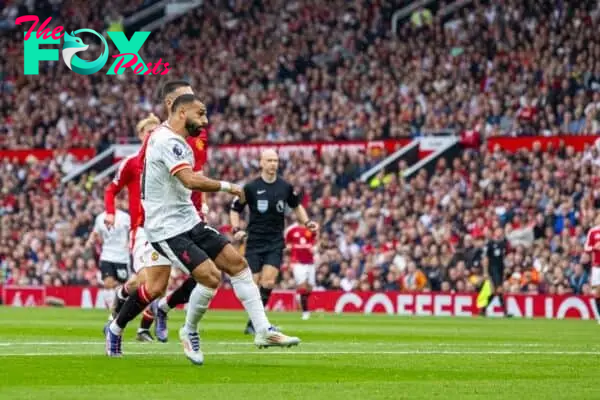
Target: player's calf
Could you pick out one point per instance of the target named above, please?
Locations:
(304, 290)
(134, 305)
(266, 283)
(597, 302)
(143, 333)
(180, 296)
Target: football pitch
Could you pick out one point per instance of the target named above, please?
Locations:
(59, 354)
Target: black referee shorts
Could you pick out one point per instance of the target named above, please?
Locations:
(193, 247)
(256, 259)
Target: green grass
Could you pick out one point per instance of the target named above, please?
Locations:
(58, 354)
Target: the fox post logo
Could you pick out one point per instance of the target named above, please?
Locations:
(128, 56)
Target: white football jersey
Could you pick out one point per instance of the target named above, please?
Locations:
(115, 241)
(167, 204)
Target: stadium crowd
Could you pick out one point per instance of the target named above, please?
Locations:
(277, 70)
(282, 71)
(423, 234)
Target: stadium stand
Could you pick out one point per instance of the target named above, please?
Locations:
(277, 71)
(335, 72)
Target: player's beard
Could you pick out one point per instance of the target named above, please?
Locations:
(194, 129)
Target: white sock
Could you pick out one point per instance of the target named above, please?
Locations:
(114, 328)
(109, 297)
(247, 292)
(162, 304)
(199, 300)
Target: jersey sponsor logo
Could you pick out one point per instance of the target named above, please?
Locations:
(261, 191)
(262, 205)
(280, 206)
(178, 151)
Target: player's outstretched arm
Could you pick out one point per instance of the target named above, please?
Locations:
(199, 182)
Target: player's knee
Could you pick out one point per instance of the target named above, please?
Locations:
(207, 274)
(214, 278)
(156, 289)
(236, 265)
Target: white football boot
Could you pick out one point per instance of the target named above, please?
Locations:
(191, 346)
(274, 338)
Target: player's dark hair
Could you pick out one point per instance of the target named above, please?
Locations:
(170, 87)
(184, 99)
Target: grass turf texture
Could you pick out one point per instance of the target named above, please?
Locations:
(58, 354)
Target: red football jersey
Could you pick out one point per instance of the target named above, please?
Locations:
(128, 175)
(302, 242)
(198, 145)
(593, 238)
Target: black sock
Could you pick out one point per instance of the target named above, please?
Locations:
(182, 294)
(120, 298)
(304, 301)
(265, 294)
(501, 297)
(489, 301)
(134, 305)
(598, 307)
(147, 319)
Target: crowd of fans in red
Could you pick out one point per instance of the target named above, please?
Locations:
(276, 70)
(423, 234)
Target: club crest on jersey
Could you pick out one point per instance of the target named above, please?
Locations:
(262, 205)
(280, 206)
(154, 256)
(178, 151)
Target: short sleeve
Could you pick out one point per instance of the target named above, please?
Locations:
(176, 155)
(293, 199)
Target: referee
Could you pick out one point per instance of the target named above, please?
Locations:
(493, 266)
(267, 197)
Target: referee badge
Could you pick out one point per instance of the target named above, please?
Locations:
(262, 205)
(280, 206)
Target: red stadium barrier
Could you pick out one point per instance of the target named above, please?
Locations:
(512, 144)
(21, 155)
(284, 149)
(393, 303)
(24, 296)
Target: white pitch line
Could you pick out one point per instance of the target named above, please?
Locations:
(296, 353)
(366, 344)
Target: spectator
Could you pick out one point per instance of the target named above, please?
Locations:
(578, 279)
